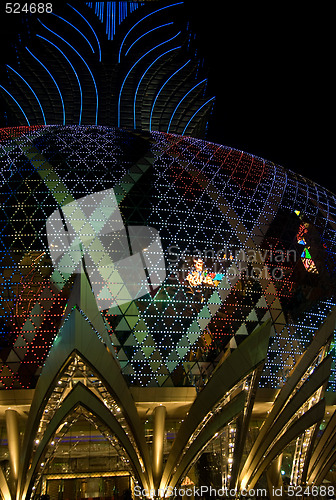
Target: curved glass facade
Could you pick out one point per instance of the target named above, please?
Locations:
(240, 240)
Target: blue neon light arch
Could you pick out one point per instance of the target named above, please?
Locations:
(78, 81)
(53, 79)
(87, 66)
(30, 88)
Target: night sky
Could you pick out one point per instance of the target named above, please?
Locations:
(272, 71)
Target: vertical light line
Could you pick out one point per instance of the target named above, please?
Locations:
(114, 12)
(108, 20)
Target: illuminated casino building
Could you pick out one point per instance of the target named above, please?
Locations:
(167, 303)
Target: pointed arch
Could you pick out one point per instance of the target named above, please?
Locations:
(312, 416)
(229, 412)
(78, 336)
(81, 396)
(214, 397)
(307, 377)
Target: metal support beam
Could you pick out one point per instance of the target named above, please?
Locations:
(5, 493)
(273, 476)
(13, 438)
(158, 442)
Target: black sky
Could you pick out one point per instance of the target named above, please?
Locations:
(272, 70)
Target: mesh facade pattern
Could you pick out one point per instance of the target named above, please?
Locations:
(244, 241)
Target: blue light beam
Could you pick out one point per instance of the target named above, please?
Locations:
(136, 62)
(25, 81)
(74, 27)
(150, 31)
(73, 69)
(93, 31)
(186, 95)
(157, 95)
(142, 19)
(136, 92)
(10, 95)
(53, 79)
(89, 70)
(199, 109)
